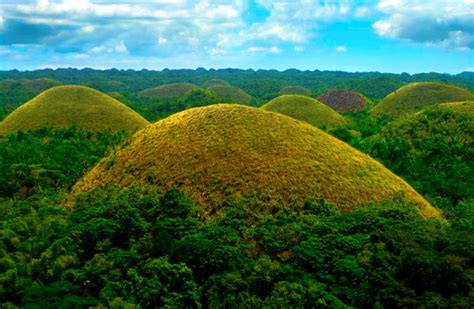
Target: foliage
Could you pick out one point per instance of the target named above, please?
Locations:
(48, 159)
(139, 248)
(167, 91)
(295, 90)
(199, 97)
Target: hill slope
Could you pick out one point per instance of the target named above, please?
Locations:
(224, 152)
(167, 91)
(65, 106)
(305, 109)
(343, 100)
(215, 82)
(415, 96)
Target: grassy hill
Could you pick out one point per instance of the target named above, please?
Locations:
(415, 96)
(65, 106)
(167, 91)
(215, 82)
(433, 149)
(343, 100)
(305, 109)
(231, 94)
(295, 90)
(226, 152)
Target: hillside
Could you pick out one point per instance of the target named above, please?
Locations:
(295, 90)
(433, 150)
(215, 82)
(343, 100)
(224, 152)
(231, 94)
(167, 91)
(305, 109)
(65, 106)
(416, 96)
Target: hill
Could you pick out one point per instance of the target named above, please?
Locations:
(416, 96)
(215, 82)
(305, 109)
(231, 94)
(225, 152)
(167, 91)
(295, 90)
(343, 100)
(65, 106)
(433, 150)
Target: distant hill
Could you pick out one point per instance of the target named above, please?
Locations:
(167, 91)
(65, 106)
(215, 82)
(416, 96)
(295, 90)
(305, 109)
(231, 94)
(343, 100)
(225, 152)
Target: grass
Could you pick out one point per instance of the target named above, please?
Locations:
(343, 100)
(65, 106)
(233, 94)
(215, 82)
(226, 152)
(416, 96)
(305, 109)
(295, 90)
(167, 91)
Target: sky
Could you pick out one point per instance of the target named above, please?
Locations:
(372, 35)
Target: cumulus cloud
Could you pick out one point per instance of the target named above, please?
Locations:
(436, 23)
(259, 49)
(341, 49)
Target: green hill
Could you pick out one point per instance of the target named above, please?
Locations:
(305, 109)
(416, 96)
(343, 100)
(65, 106)
(295, 90)
(432, 149)
(167, 91)
(231, 94)
(215, 82)
(225, 152)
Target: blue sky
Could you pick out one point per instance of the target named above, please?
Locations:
(373, 35)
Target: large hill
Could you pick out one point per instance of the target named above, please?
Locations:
(231, 94)
(225, 152)
(65, 106)
(343, 100)
(305, 109)
(416, 96)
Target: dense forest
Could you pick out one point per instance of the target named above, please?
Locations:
(140, 248)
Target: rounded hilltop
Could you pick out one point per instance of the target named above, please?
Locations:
(416, 96)
(305, 109)
(215, 82)
(66, 106)
(167, 91)
(231, 94)
(226, 152)
(295, 90)
(343, 100)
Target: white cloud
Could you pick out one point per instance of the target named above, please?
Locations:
(341, 49)
(256, 49)
(217, 52)
(434, 23)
